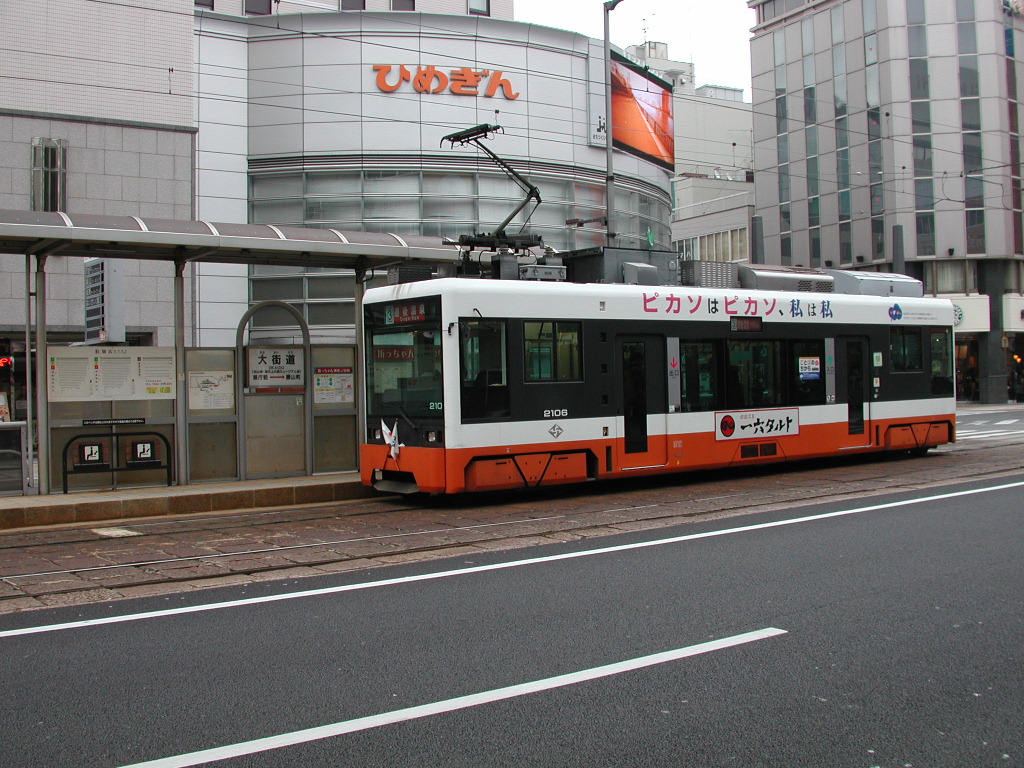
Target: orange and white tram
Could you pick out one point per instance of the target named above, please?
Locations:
(477, 385)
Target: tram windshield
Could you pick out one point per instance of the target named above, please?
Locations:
(403, 369)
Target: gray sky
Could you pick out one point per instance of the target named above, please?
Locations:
(713, 34)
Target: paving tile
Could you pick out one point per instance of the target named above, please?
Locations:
(42, 585)
(18, 604)
(83, 597)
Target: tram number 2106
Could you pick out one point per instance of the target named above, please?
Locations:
(555, 413)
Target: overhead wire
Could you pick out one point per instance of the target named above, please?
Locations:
(267, 100)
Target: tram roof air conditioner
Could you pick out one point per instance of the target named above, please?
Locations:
(771, 278)
(876, 283)
(636, 273)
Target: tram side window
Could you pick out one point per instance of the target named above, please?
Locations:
(754, 376)
(698, 376)
(483, 367)
(940, 348)
(807, 372)
(552, 351)
(905, 353)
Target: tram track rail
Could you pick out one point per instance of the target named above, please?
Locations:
(371, 533)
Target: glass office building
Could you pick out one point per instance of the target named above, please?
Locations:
(887, 137)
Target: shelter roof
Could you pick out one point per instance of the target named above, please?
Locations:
(131, 237)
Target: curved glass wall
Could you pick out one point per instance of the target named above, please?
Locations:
(440, 204)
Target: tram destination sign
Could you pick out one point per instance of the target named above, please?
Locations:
(411, 312)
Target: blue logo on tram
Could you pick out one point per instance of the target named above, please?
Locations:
(895, 312)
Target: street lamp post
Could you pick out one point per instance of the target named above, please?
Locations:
(609, 194)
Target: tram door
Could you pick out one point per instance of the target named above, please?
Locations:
(854, 373)
(643, 397)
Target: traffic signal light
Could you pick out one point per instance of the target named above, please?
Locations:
(6, 362)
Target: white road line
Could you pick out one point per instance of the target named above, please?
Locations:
(1007, 421)
(991, 435)
(244, 748)
(493, 567)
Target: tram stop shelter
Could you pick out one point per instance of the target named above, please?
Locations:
(41, 235)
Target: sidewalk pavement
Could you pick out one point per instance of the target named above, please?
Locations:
(131, 503)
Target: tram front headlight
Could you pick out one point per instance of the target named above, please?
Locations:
(378, 435)
(432, 436)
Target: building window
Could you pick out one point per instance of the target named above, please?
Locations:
(810, 105)
(869, 16)
(969, 84)
(811, 139)
(972, 152)
(482, 7)
(204, 4)
(784, 183)
(845, 243)
(919, 86)
(49, 174)
(923, 155)
(878, 238)
(917, 41)
(403, 5)
(813, 211)
(258, 7)
(815, 243)
(975, 231)
(925, 234)
(353, 5)
(924, 194)
(967, 41)
(781, 115)
(877, 200)
(921, 116)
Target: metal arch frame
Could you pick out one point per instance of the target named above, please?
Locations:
(307, 369)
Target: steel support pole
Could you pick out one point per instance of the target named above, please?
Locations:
(609, 193)
(42, 395)
(29, 393)
(180, 392)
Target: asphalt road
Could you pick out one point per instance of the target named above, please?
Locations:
(881, 631)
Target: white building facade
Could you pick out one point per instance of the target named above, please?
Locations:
(108, 133)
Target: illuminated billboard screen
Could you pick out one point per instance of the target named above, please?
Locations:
(642, 122)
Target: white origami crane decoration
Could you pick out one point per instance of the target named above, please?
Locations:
(391, 438)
